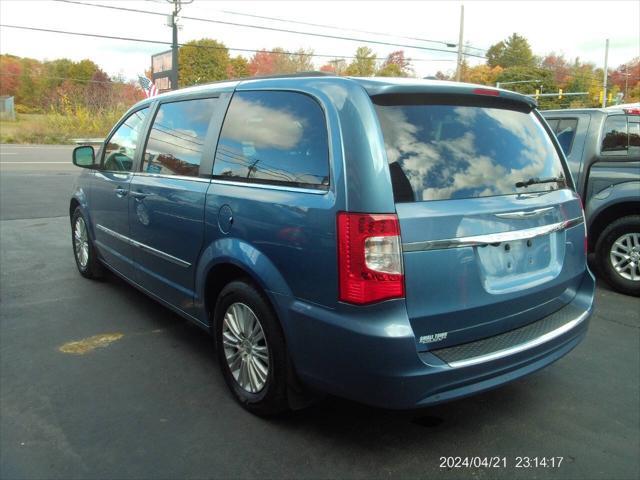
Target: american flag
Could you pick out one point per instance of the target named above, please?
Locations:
(150, 90)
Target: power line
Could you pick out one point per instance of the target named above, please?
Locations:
(274, 29)
(332, 27)
(164, 42)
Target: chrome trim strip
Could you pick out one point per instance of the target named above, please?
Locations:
(491, 238)
(271, 187)
(524, 214)
(146, 248)
(523, 346)
(173, 177)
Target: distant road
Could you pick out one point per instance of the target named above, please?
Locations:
(35, 158)
(35, 180)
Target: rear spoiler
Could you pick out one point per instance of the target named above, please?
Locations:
(470, 97)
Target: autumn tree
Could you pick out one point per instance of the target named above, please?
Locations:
(627, 78)
(280, 61)
(202, 61)
(481, 74)
(515, 51)
(262, 63)
(364, 65)
(559, 66)
(337, 66)
(10, 71)
(395, 65)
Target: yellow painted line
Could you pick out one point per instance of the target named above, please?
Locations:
(86, 345)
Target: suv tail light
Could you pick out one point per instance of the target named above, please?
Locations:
(369, 257)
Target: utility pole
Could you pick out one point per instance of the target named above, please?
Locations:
(459, 70)
(604, 81)
(174, 46)
(626, 80)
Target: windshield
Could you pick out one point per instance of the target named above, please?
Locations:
(439, 152)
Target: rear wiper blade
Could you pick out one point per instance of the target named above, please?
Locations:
(535, 181)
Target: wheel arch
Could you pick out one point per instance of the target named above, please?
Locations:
(230, 259)
(609, 214)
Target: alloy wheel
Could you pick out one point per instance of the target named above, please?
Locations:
(245, 347)
(625, 256)
(81, 242)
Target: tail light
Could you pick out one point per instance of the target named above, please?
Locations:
(632, 110)
(486, 91)
(369, 258)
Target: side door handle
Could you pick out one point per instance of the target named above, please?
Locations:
(121, 192)
(139, 195)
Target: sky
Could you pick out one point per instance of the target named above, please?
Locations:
(571, 28)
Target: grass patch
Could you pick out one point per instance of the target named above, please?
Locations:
(58, 128)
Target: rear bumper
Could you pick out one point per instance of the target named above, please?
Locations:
(369, 354)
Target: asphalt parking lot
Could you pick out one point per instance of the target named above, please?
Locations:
(149, 402)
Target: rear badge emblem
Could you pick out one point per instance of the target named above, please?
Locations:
(436, 337)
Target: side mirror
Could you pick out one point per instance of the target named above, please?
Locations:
(84, 156)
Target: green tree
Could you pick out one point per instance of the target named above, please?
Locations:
(515, 51)
(82, 71)
(202, 61)
(238, 67)
(364, 65)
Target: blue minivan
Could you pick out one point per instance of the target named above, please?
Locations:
(398, 242)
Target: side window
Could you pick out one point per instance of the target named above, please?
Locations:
(176, 138)
(120, 150)
(614, 135)
(273, 137)
(553, 123)
(566, 132)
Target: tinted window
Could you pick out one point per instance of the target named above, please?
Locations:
(553, 123)
(614, 135)
(120, 150)
(274, 138)
(565, 132)
(176, 140)
(440, 152)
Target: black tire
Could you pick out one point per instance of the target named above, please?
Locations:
(618, 228)
(271, 399)
(92, 268)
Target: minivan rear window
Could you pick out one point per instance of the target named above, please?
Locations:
(439, 151)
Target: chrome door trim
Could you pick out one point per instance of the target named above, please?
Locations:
(172, 177)
(523, 346)
(271, 187)
(146, 248)
(491, 238)
(524, 214)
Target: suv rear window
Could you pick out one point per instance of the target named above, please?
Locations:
(439, 152)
